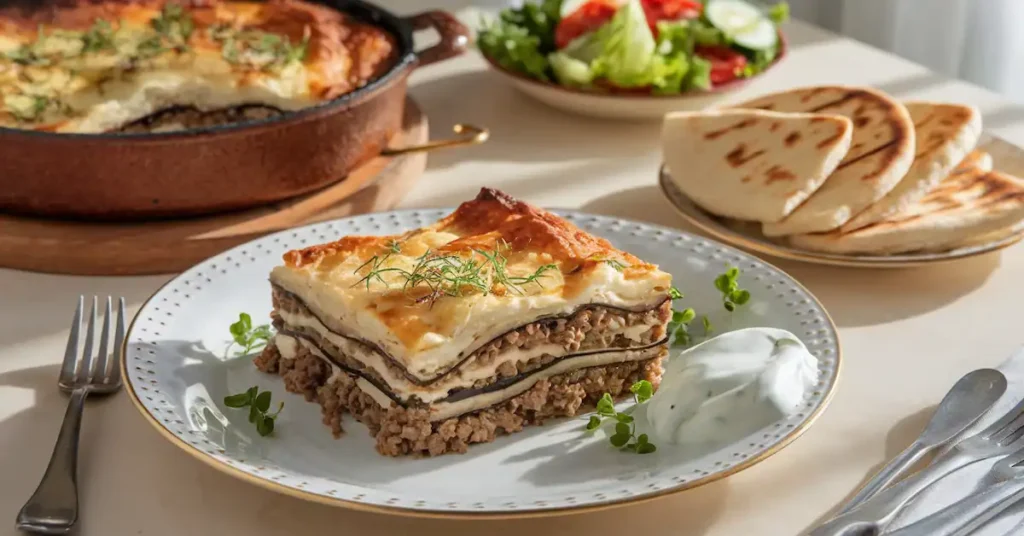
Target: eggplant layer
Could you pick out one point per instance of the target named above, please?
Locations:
(398, 366)
(466, 393)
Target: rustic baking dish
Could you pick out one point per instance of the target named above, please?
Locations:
(118, 176)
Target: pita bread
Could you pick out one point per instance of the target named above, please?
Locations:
(738, 163)
(967, 204)
(945, 133)
(881, 152)
(976, 159)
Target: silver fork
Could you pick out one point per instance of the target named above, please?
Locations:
(873, 515)
(965, 516)
(53, 508)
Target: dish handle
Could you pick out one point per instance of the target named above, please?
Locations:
(455, 36)
(470, 135)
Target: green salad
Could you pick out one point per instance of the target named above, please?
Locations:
(645, 46)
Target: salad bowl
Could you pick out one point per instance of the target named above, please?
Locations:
(639, 60)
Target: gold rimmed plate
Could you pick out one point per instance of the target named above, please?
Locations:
(177, 373)
(747, 235)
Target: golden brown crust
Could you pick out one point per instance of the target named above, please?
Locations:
(343, 53)
(867, 108)
(492, 217)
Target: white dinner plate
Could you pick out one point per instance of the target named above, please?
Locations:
(178, 373)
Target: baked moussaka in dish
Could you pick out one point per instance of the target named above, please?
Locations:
(111, 65)
(498, 316)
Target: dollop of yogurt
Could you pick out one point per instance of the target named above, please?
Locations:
(731, 386)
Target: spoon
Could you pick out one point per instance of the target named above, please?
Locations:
(970, 398)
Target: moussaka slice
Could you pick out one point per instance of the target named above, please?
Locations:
(497, 316)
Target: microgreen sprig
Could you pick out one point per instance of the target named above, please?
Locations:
(258, 404)
(679, 326)
(248, 337)
(625, 426)
(728, 284)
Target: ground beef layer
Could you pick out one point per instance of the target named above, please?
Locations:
(588, 329)
(400, 431)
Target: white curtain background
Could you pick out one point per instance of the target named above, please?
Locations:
(981, 41)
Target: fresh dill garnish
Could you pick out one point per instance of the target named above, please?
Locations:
(615, 264)
(625, 427)
(376, 264)
(728, 284)
(257, 49)
(483, 271)
(29, 53)
(174, 24)
(258, 404)
(532, 278)
(618, 266)
(99, 36)
(28, 108)
(150, 47)
(25, 55)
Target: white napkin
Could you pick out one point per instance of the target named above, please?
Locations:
(961, 483)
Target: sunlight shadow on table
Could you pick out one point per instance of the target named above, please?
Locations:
(806, 35)
(531, 185)
(522, 130)
(899, 438)
(870, 297)
(27, 437)
(40, 296)
(644, 203)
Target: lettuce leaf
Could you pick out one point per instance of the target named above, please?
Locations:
(520, 39)
(627, 58)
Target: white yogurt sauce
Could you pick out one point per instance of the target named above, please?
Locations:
(731, 386)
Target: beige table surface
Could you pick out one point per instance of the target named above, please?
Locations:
(907, 334)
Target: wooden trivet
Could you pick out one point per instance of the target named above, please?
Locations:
(167, 246)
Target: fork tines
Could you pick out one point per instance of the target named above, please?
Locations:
(93, 369)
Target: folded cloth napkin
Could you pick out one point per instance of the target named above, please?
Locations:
(962, 483)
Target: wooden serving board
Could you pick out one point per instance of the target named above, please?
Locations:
(168, 246)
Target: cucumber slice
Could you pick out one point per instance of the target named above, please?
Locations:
(744, 23)
(570, 71)
(762, 36)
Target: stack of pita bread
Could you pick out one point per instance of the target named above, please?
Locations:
(845, 170)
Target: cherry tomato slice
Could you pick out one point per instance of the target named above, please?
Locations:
(587, 18)
(658, 10)
(726, 63)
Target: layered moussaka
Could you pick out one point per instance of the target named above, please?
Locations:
(151, 65)
(498, 316)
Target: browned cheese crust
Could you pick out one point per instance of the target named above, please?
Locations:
(495, 217)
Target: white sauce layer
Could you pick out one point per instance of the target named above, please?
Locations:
(731, 386)
(468, 374)
(117, 103)
(458, 325)
(288, 347)
(446, 410)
